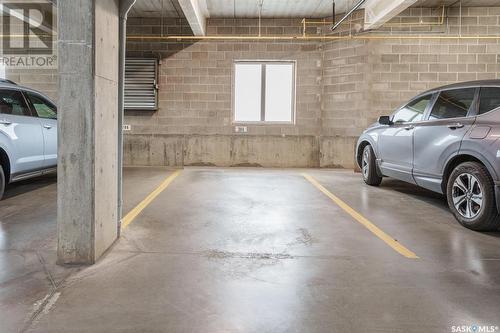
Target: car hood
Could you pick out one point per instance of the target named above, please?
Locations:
(373, 126)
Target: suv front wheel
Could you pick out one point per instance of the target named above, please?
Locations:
(369, 167)
(2, 182)
(471, 197)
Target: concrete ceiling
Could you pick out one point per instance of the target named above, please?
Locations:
(156, 8)
(273, 8)
(244, 8)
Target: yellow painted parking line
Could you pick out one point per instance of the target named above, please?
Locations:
(394, 244)
(144, 203)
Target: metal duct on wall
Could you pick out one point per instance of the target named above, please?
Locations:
(141, 78)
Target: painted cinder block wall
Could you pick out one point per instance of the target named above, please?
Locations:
(194, 123)
(342, 87)
(398, 68)
(364, 79)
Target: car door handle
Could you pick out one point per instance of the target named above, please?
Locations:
(409, 127)
(455, 126)
(47, 126)
(5, 122)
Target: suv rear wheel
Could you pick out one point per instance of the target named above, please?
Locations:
(369, 168)
(471, 197)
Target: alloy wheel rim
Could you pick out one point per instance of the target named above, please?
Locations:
(467, 195)
(365, 164)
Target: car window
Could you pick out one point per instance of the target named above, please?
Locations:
(12, 102)
(489, 99)
(413, 111)
(43, 108)
(453, 104)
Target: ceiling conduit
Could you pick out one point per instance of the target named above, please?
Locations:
(353, 9)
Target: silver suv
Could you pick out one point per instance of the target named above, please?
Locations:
(28, 134)
(446, 140)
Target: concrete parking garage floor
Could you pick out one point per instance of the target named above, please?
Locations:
(251, 250)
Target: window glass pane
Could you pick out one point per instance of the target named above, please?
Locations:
(279, 90)
(490, 99)
(453, 103)
(43, 108)
(414, 111)
(247, 88)
(12, 102)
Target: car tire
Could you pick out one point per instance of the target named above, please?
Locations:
(2, 182)
(369, 167)
(471, 197)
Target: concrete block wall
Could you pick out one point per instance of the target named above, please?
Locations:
(342, 86)
(378, 75)
(154, 26)
(345, 94)
(400, 68)
(43, 80)
(193, 125)
(368, 78)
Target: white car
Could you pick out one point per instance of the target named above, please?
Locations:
(28, 134)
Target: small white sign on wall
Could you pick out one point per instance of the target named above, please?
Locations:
(127, 128)
(241, 129)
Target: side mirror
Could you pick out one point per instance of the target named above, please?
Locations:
(384, 120)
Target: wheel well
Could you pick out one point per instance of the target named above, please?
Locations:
(453, 163)
(5, 164)
(359, 153)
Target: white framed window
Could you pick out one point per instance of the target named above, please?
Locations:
(264, 92)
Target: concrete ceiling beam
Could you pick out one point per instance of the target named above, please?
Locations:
(196, 13)
(378, 12)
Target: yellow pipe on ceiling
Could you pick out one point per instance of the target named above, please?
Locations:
(307, 37)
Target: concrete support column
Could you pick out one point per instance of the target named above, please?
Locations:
(88, 129)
